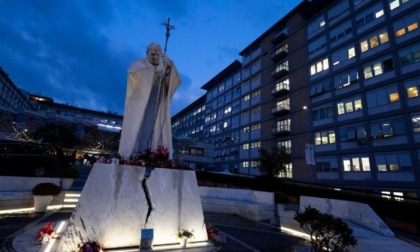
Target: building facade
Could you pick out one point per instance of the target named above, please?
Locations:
(22, 114)
(336, 83)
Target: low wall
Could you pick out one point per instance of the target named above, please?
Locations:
(238, 194)
(23, 184)
(16, 200)
(16, 192)
(254, 205)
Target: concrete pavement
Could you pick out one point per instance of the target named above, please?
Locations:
(237, 234)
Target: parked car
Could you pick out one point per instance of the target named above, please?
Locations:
(26, 159)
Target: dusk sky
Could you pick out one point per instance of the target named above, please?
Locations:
(78, 51)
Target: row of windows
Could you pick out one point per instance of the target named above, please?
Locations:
(375, 98)
(406, 56)
(287, 173)
(385, 162)
(387, 127)
(342, 9)
(224, 86)
(401, 27)
(252, 145)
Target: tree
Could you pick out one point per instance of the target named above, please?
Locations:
(273, 162)
(325, 230)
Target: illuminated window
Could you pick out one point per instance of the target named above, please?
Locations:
(282, 85)
(374, 40)
(394, 97)
(283, 125)
(255, 145)
(325, 137)
(356, 164)
(412, 92)
(319, 66)
(379, 67)
(412, 87)
(394, 4)
(348, 106)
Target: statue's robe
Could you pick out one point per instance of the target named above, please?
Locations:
(147, 121)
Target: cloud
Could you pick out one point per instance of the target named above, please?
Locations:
(78, 51)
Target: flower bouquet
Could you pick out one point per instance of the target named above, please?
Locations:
(184, 233)
(153, 158)
(45, 234)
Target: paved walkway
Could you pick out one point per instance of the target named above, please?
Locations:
(237, 234)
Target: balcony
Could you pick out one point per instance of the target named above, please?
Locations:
(281, 130)
(280, 109)
(280, 90)
(279, 37)
(277, 73)
(278, 55)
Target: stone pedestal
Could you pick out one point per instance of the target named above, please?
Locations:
(113, 207)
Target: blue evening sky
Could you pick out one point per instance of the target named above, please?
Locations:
(78, 51)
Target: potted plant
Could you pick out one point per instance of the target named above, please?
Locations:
(184, 235)
(43, 194)
(68, 175)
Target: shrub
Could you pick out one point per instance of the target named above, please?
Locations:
(46, 189)
(325, 230)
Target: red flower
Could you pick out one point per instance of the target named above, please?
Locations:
(47, 229)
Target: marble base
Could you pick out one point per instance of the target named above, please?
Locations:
(113, 207)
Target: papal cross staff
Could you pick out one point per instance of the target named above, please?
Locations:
(168, 29)
(149, 169)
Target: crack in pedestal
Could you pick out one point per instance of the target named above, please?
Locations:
(147, 193)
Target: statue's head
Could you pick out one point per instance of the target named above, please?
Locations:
(154, 53)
